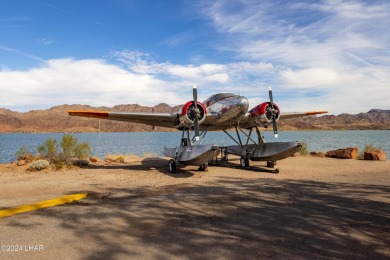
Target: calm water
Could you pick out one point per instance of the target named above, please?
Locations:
(140, 143)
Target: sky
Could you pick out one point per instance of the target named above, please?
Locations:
(316, 55)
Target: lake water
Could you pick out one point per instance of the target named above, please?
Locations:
(141, 143)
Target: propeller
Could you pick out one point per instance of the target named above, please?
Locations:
(273, 113)
(196, 112)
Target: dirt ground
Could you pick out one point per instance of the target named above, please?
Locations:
(315, 208)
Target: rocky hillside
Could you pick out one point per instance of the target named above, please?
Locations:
(375, 119)
(56, 119)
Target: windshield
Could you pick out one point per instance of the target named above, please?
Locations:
(217, 97)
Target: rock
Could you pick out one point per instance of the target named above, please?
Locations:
(114, 159)
(29, 157)
(94, 159)
(345, 153)
(317, 154)
(81, 163)
(379, 155)
(21, 162)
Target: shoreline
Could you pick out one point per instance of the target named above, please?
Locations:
(286, 130)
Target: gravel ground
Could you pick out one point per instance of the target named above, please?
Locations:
(318, 208)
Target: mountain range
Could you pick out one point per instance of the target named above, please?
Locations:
(56, 119)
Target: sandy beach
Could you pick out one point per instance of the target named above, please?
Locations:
(314, 208)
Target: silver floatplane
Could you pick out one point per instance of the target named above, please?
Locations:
(220, 112)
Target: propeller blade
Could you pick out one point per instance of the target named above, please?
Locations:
(270, 97)
(195, 95)
(196, 111)
(274, 125)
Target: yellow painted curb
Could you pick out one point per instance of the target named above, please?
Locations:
(42, 204)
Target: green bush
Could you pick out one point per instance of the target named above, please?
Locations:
(22, 152)
(304, 149)
(68, 144)
(82, 150)
(368, 148)
(68, 150)
(48, 149)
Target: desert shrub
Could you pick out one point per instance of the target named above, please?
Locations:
(304, 149)
(82, 150)
(22, 152)
(49, 149)
(368, 148)
(115, 158)
(59, 164)
(38, 165)
(68, 144)
(64, 154)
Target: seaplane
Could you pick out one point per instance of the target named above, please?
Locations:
(220, 112)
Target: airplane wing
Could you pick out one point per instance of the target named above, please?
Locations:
(167, 119)
(301, 114)
(154, 119)
(245, 121)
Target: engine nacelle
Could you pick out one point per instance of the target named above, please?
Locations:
(262, 114)
(186, 117)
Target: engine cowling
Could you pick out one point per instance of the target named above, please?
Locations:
(187, 115)
(262, 114)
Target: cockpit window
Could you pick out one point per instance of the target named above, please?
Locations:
(218, 97)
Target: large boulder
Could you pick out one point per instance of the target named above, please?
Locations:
(344, 153)
(379, 155)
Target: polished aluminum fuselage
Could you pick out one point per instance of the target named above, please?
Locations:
(225, 112)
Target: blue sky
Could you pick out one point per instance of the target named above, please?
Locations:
(330, 54)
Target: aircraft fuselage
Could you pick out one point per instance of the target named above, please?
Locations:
(227, 108)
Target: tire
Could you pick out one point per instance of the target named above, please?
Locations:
(202, 168)
(172, 166)
(244, 162)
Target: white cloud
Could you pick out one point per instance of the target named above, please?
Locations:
(98, 83)
(44, 41)
(332, 53)
(310, 78)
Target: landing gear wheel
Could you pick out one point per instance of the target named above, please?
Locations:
(203, 168)
(172, 166)
(244, 162)
(271, 164)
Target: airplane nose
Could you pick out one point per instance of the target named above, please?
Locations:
(243, 102)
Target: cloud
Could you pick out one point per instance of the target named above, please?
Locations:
(334, 53)
(44, 41)
(310, 78)
(330, 54)
(26, 55)
(99, 83)
(92, 82)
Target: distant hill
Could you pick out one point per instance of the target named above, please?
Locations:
(56, 119)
